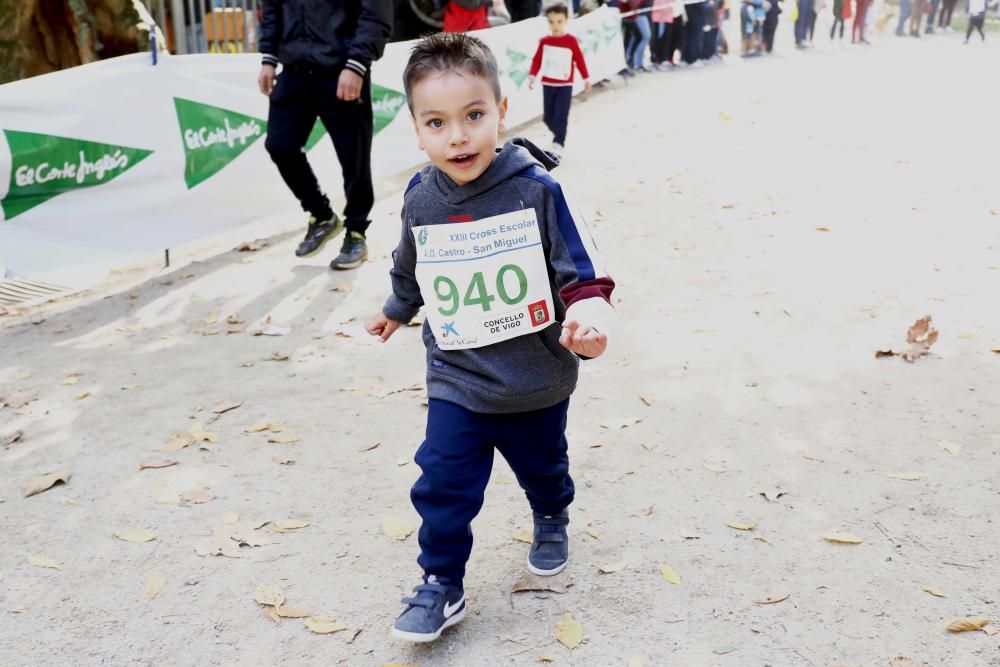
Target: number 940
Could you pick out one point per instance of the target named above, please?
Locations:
(477, 293)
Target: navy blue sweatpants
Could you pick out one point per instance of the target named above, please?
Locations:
(456, 459)
(556, 101)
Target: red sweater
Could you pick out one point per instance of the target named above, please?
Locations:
(459, 19)
(561, 54)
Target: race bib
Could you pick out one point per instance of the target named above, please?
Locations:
(483, 282)
(557, 62)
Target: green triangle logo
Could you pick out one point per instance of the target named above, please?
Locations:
(213, 137)
(386, 103)
(318, 132)
(46, 165)
(519, 67)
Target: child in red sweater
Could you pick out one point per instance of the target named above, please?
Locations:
(558, 56)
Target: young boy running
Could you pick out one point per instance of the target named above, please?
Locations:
(557, 57)
(490, 246)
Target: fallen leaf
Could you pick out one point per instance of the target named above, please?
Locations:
(257, 428)
(285, 612)
(761, 538)
(991, 629)
(268, 594)
(545, 659)
(157, 463)
(842, 538)
(136, 535)
(772, 495)
(155, 581)
(198, 496)
(755, 628)
(691, 536)
(532, 582)
(178, 441)
(396, 528)
(18, 399)
(251, 246)
(341, 287)
(45, 482)
(568, 631)
(966, 624)
(774, 599)
(226, 406)
(908, 476)
(324, 625)
(83, 395)
(212, 319)
(592, 532)
(952, 448)
(648, 400)
(921, 336)
(67, 501)
(614, 567)
(670, 574)
(968, 335)
(283, 439)
(199, 433)
(523, 536)
(282, 460)
(711, 467)
(71, 381)
(351, 636)
(278, 356)
(723, 650)
(11, 438)
(42, 561)
(936, 592)
(647, 511)
(271, 330)
(810, 456)
(368, 447)
(741, 526)
(288, 525)
(822, 229)
(234, 319)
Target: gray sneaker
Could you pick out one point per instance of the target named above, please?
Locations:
(437, 605)
(317, 234)
(550, 548)
(352, 254)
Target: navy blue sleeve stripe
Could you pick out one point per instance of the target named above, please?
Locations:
(567, 227)
(414, 182)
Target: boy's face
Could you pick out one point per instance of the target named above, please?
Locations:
(457, 119)
(557, 24)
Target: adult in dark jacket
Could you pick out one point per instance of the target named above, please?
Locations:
(325, 48)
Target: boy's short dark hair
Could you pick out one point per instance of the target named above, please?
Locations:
(558, 9)
(450, 51)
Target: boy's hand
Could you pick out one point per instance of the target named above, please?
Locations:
(265, 80)
(531, 83)
(584, 341)
(587, 87)
(382, 326)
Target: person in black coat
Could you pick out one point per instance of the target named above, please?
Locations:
(325, 48)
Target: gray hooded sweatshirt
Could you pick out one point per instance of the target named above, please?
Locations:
(532, 371)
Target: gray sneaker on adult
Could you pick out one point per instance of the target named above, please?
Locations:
(352, 254)
(437, 605)
(317, 234)
(550, 548)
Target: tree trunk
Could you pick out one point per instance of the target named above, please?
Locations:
(40, 36)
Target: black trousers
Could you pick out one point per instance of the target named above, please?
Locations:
(675, 38)
(300, 96)
(770, 27)
(556, 101)
(693, 33)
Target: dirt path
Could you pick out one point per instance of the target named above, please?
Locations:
(750, 334)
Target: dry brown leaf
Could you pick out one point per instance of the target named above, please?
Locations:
(285, 612)
(568, 631)
(156, 464)
(324, 625)
(810, 456)
(774, 599)
(822, 229)
(532, 582)
(936, 592)
(648, 400)
(257, 428)
(282, 460)
(523, 536)
(991, 629)
(11, 438)
(67, 501)
(592, 532)
(283, 439)
(251, 246)
(198, 496)
(71, 381)
(155, 581)
(368, 447)
(670, 574)
(199, 433)
(212, 319)
(268, 594)
(761, 538)
(647, 511)
(741, 526)
(842, 538)
(755, 628)
(178, 441)
(135, 535)
(288, 525)
(45, 482)
(18, 399)
(226, 406)
(952, 448)
(908, 476)
(278, 356)
(396, 528)
(967, 624)
(613, 567)
(83, 395)
(711, 467)
(42, 561)
(351, 636)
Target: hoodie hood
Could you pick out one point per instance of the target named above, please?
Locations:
(517, 155)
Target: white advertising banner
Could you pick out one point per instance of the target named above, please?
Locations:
(122, 157)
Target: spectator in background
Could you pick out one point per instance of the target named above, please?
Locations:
(931, 15)
(771, 24)
(661, 46)
(524, 9)
(468, 15)
(944, 19)
(916, 17)
(804, 8)
(905, 6)
(977, 16)
(635, 52)
(694, 29)
(841, 12)
(859, 34)
(710, 41)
